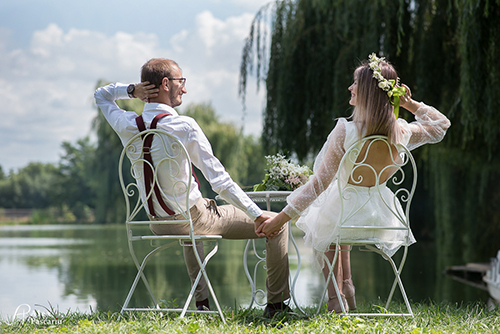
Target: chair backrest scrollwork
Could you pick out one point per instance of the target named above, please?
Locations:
(171, 170)
(377, 181)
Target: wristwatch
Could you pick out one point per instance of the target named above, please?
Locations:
(130, 90)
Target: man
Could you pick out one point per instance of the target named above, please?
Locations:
(239, 220)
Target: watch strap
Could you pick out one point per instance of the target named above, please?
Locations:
(130, 90)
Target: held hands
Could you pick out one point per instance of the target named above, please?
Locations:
(145, 91)
(258, 225)
(271, 227)
(407, 102)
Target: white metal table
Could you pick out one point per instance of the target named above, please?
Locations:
(268, 197)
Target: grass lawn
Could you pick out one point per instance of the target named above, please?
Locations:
(429, 318)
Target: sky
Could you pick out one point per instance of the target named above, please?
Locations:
(53, 53)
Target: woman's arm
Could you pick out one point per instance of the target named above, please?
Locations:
(326, 166)
(430, 125)
(300, 199)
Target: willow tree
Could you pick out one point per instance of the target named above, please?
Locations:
(446, 51)
(314, 48)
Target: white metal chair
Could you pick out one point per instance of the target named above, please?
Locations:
(172, 167)
(360, 169)
(492, 279)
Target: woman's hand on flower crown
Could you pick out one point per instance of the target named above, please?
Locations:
(144, 91)
(407, 102)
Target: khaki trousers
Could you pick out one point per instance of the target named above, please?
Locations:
(232, 223)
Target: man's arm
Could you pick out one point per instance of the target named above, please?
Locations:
(118, 118)
(105, 98)
(202, 156)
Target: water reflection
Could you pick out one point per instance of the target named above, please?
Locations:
(89, 267)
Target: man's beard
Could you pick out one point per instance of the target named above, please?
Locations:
(173, 98)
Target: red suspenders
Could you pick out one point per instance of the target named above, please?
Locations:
(148, 172)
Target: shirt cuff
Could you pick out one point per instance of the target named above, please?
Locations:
(123, 92)
(291, 212)
(254, 212)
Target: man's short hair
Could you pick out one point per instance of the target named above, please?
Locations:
(156, 69)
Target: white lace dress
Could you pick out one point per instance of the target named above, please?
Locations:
(317, 202)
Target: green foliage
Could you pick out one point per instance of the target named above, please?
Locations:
(429, 318)
(30, 187)
(57, 193)
(446, 51)
(74, 184)
(59, 214)
(225, 137)
(313, 51)
(241, 155)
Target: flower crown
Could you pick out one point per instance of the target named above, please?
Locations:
(390, 86)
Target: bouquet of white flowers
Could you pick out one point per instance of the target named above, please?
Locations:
(281, 174)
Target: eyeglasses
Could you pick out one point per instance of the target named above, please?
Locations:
(182, 80)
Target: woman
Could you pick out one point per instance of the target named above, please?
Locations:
(375, 95)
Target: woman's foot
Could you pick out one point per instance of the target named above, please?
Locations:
(334, 305)
(348, 290)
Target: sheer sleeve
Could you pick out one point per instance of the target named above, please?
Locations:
(325, 168)
(429, 127)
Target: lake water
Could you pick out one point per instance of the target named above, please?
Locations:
(84, 268)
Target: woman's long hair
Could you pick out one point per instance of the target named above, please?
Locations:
(373, 113)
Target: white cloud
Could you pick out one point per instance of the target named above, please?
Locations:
(47, 88)
(252, 5)
(210, 59)
(248, 5)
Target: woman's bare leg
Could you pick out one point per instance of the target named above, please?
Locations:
(345, 256)
(347, 286)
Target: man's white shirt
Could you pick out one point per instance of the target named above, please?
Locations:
(189, 133)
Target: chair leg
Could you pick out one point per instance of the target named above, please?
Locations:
(320, 303)
(209, 284)
(401, 287)
(331, 277)
(203, 272)
(140, 274)
(403, 260)
(397, 280)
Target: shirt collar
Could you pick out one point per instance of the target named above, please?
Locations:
(156, 108)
